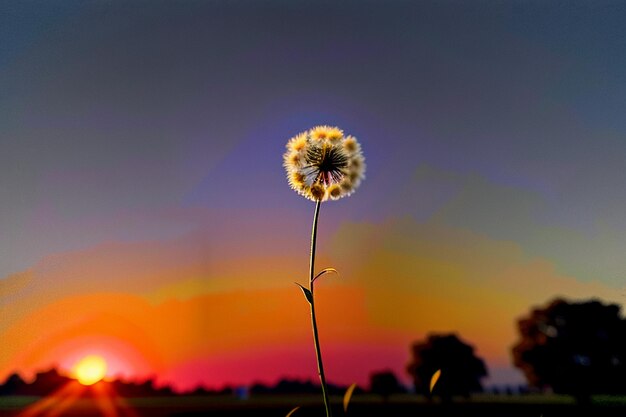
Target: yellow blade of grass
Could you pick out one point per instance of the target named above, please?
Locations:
(289, 414)
(348, 396)
(325, 271)
(434, 379)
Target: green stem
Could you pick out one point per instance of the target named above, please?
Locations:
(318, 352)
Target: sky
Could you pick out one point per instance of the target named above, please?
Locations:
(146, 217)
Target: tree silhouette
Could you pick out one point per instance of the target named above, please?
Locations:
(574, 348)
(47, 382)
(14, 385)
(461, 370)
(385, 383)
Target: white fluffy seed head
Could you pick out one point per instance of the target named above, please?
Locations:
(322, 163)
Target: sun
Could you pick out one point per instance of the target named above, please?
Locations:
(90, 369)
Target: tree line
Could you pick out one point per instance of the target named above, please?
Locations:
(575, 348)
(567, 348)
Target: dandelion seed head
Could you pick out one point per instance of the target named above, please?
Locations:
(296, 180)
(334, 134)
(323, 164)
(319, 132)
(298, 143)
(294, 158)
(350, 144)
(346, 185)
(334, 192)
(317, 192)
(356, 164)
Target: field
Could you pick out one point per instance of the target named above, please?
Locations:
(273, 405)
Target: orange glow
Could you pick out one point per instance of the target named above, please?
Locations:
(90, 369)
(104, 401)
(241, 319)
(55, 403)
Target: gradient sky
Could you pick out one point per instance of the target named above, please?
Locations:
(145, 215)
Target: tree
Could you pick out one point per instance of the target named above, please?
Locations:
(574, 348)
(461, 370)
(14, 385)
(385, 383)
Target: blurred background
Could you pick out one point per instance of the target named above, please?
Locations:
(146, 219)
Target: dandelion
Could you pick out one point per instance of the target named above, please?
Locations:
(322, 164)
(327, 164)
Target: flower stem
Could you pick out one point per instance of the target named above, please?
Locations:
(318, 352)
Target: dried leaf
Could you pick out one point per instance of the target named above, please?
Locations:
(348, 396)
(307, 293)
(325, 271)
(434, 379)
(289, 414)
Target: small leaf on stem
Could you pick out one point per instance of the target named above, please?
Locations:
(325, 271)
(289, 414)
(348, 396)
(307, 293)
(434, 379)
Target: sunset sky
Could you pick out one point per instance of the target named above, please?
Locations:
(145, 216)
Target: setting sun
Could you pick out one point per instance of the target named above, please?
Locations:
(90, 369)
